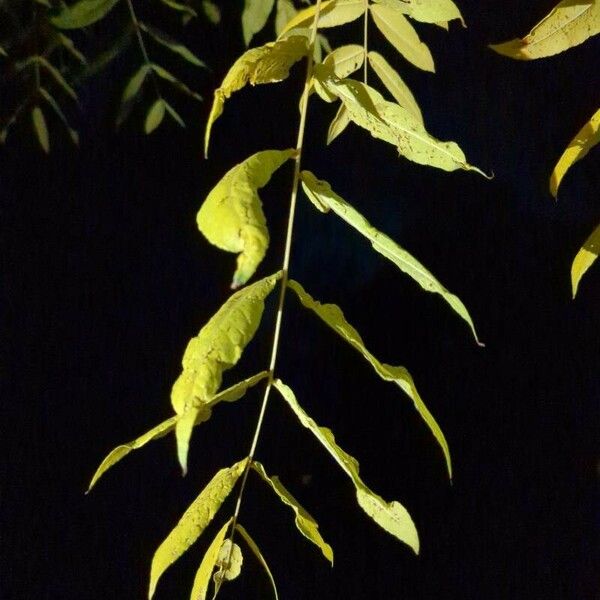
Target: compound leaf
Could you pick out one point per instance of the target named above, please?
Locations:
(232, 218)
(254, 17)
(585, 259)
(305, 523)
(332, 14)
(437, 12)
(82, 13)
(40, 128)
(333, 316)
(392, 516)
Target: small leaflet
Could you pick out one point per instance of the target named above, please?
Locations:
(265, 64)
(332, 14)
(82, 13)
(229, 561)
(587, 137)
(585, 258)
(333, 316)
(132, 89)
(40, 128)
(305, 523)
(567, 25)
(337, 126)
(194, 521)
(155, 116)
(232, 219)
(44, 93)
(392, 516)
(436, 12)
(254, 17)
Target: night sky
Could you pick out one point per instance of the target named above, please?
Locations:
(105, 279)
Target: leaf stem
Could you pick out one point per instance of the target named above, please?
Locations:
(366, 41)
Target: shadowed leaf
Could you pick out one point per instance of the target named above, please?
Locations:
(585, 259)
(155, 116)
(82, 13)
(40, 128)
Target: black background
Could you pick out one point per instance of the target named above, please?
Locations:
(105, 278)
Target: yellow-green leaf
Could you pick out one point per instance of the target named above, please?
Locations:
(402, 35)
(585, 259)
(211, 11)
(155, 116)
(232, 217)
(160, 37)
(426, 11)
(254, 17)
(133, 87)
(321, 192)
(332, 14)
(285, 13)
(394, 84)
(229, 561)
(40, 128)
(333, 316)
(345, 60)
(261, 559)
(587, 137)
(392, 516)
(218, 347)
(305, 523)
(82, 13)
(202, 578)
(569, 24)
(266, 64)
(194, 521)
(338, 124)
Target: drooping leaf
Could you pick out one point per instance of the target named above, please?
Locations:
(45, 94)
(333, 316)
(305, 523)
(569, 24)
(402, 35)
(194, 521)
(338, 124)
(321, 192)
(67, 43)
(167, 76)
(218, 347)
(229, 562)
(232, 218)
(266, 64)
(332, 14)
(51, 70)
(174, 114)
(181, 7)
(155, 116)
(172, 44)
(587, 137)
(261, 559)
(82, 13)
(426, 11)
(254, 17)
(132, 89)
(40, 128)
(394, 84)
(585, 259)
(392, 516)
(285, 13)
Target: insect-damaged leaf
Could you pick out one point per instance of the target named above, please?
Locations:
(436, 12)
(304, 522)
(587, 137)
(333, 316)
(40, 128)
(261, 559)
(254, 17)
(155, 116)
(569, 24)
(332, 13)
(341, 62)
(402, 35)
(585, 259)
(217, 347)
(321, 192)
(194, 521)
(392, 516)
(82, 13)
(265, 64)
(232, 217)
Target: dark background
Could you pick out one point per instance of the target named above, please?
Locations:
(105, 278)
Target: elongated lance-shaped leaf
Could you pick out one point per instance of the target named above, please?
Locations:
(179, 7)
(437, 12)
(218, 347)
(172, 44)
(585, 258)
(332, 13)
(194, 521)
(68, 44)
(45, 94)
(132, 89)
(155, 116)
(570, 23)
(82, 13)
(304, 521)
(321, 192)
(261, 559)
(402, 35)
(396, 125)
(40, 128)
(168, 76)
(333, 316)
(587, 137)
(232, 217)
(265, 64)
(254, 17)
(392, 516)
(394, 84)
(174, 114)
(51, 70)
(338, 123)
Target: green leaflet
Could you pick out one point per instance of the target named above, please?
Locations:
(174, 114)
(172, 44)
(68, 44)
(570, 23)
(194, 521)
(167, 76)
(51, 70)
(185, 9)
(231, 394)
(232, 218)
(332, 14)
(211, 11)
(321, 192)
(45, 94)
(132, 89)
(218, 347)
(392, 516)
(155, 116)
(254, 17)
(587, 137)
(304, 522)
(40, 128)
(256, 551)
(341, 62)
(333, 316)
(585, 258)
(265, 64)
(82, 13)
(426, 11)
(402, 35)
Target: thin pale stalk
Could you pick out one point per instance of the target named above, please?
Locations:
(366, 41)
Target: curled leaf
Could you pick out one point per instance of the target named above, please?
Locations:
(82, 13)
(256, 551)
(585, 258)
(232, 217)
(254, 17)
